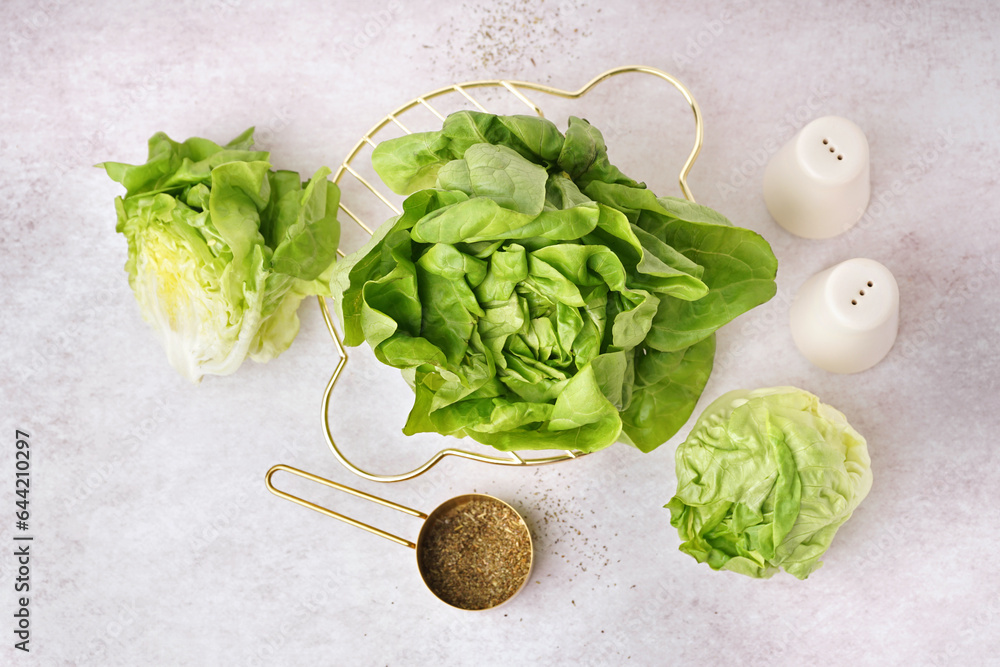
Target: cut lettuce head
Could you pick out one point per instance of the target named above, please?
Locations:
(536, 297)
(764, 481)
(221, 249)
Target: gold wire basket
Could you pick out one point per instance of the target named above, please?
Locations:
(347, 169)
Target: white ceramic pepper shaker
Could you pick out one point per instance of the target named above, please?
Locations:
(818, 184)
(845, 319)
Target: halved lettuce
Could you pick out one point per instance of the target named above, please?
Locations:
(221, 249)
(765, 479)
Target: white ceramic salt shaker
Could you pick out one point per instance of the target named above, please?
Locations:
(845, 319)
(818, 184)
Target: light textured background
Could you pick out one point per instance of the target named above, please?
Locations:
(157, 542)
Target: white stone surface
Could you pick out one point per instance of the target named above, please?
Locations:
(156, 541)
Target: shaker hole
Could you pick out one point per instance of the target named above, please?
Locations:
(869, 283)
(854, 302)
(826, 141)
(840, 157)
(831, 149)
(862, 292)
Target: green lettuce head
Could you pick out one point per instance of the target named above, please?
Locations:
(764, 481)
(535, 296)
(221, 249)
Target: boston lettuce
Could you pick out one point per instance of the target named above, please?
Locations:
(221, 249)
(765, 479)
(538, 298)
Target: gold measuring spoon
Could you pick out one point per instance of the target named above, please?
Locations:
(474, 551)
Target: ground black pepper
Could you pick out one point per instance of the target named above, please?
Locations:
(476, 555)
